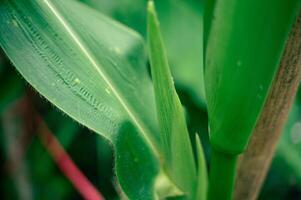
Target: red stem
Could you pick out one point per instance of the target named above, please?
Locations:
(65, 163)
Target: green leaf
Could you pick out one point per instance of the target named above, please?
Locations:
(208, 18)
(128, 159)
(242, 56)
(202, 174)
(179, 163)
(93, 69)
(184, 41)
(182, 26)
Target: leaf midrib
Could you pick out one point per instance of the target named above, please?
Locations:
(97, 67)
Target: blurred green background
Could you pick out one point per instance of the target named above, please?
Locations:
(29, 172)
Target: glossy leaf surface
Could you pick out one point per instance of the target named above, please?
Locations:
(244, 48)
(208, 18)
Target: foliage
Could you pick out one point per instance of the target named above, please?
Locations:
(95, 70)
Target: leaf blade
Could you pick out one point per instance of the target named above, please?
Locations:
(53, 44)
(186, 54)
(243, 51)
(202, 184)
(176, 144)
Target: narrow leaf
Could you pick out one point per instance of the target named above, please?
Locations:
(179, 160)
(202, 184)
(185, 55)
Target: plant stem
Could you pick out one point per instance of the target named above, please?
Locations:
(65, 163)
(255, 162)
(222, 175)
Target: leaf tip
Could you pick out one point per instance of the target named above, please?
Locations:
(151, 6)
(151, 9)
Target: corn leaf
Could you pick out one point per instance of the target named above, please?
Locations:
(179, 163)
(208, 17)
(93, 69)
(202, 184)
(245, 44)
(185, 55)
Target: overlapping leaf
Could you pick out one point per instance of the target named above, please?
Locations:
(176, 144)
(242, 55)
(93, 69)
(182, 29)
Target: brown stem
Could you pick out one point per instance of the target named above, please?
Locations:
(254, 163)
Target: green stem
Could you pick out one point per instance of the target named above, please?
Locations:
(222, 175)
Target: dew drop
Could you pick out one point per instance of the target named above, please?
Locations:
(77, 81)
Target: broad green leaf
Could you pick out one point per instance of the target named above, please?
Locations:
(182, 29)
(202, 174)
(93, 69)
(129, 12)
(179, 163)
(142, 163)
(242, 56)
